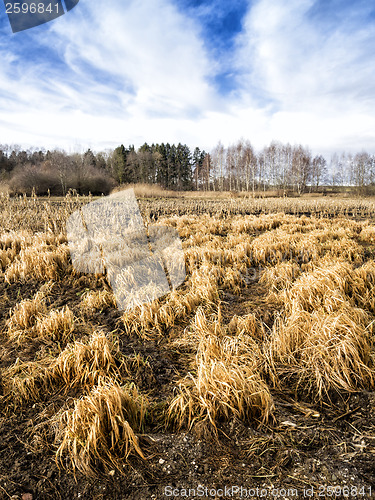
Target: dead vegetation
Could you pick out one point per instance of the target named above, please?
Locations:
(226, 381)
(101, 428)
(228, 363)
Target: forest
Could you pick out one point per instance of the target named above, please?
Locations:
(238, 167)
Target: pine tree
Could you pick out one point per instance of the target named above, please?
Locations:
(119, 164)
(198, 173)
(185, 174)
(89, 159)
(162, 168)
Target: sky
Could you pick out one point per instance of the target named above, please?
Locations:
(192, 71)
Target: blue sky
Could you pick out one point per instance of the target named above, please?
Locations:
(192, 71)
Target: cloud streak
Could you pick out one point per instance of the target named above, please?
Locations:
(297, 71)
(319, 81)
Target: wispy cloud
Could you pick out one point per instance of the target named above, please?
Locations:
(134, 64)
(193, 71)
(315, 66)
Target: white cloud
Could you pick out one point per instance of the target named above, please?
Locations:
(322, 82)
(149, 45)
(139, 71)
(130, 71)
(299, 63)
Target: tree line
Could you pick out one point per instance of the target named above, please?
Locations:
(237, 167)
(285, 167)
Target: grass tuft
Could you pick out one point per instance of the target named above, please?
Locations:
(100, 431)
(226, 383)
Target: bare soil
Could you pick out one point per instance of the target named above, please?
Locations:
(306, 446)
(303, 452)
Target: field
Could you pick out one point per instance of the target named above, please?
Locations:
(258, 371)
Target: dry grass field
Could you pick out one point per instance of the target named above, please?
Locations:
(258, 371)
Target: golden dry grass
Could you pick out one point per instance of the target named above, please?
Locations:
(225, 384)
(102, 428)
(97, 300)
(58, 325)
(43, 257)
(79, 366)
(24, 317)
(23, 382)
(318, 273)
(163, 313)
(148, 191)
(319, 352)
(30, 319)
(82, 364)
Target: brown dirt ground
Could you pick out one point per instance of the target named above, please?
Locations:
(306, 447)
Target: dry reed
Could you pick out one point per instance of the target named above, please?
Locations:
(101, 428)
(226, 383)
